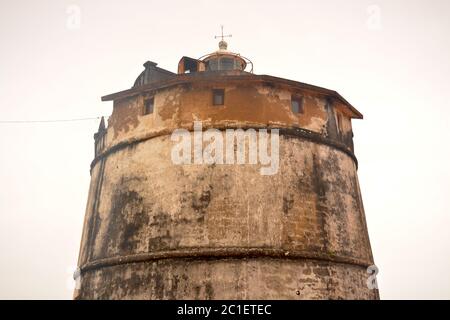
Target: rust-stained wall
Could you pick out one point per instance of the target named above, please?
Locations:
(245, 105)
(155, 230)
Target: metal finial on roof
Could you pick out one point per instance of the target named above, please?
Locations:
(223, 44)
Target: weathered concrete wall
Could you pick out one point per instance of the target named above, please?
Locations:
(310, 209)
(262, 278)
(156, 230)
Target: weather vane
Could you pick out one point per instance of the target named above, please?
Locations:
(222, 44)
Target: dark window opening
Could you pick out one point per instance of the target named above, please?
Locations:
(297, 104)
(190, 65)
(149, 104)
(339, 122)
(218, 97)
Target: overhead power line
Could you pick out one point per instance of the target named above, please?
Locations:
(49, 121)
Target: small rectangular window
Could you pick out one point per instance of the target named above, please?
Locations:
(297, 104)
(148, 107)
(339, 122)
(218, 97)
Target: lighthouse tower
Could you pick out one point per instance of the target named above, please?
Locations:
(156, 228)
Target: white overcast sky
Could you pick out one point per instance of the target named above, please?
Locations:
(390, 59)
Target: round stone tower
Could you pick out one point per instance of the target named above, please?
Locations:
(158, 228)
